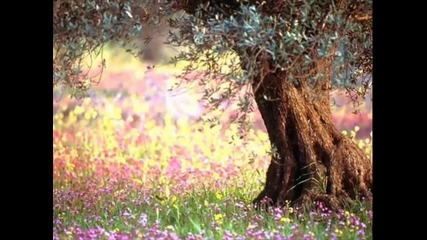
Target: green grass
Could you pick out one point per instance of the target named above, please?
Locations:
(204, 212)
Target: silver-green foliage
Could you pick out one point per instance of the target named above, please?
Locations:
(227, 42)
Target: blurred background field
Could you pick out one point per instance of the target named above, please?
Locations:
(127, 76)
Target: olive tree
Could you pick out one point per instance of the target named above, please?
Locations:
(284, 56)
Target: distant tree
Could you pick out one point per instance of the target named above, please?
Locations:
(286, 55)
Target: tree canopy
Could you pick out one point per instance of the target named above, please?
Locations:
(226, 42)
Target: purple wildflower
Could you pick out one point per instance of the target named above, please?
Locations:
(143, 219)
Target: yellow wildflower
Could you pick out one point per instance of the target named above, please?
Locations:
(218, 218)
(78, 110)
(170, 227)
(250, 226)
(216, 176)
(339, 232)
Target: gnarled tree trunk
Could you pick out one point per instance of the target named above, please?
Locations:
(313, 159)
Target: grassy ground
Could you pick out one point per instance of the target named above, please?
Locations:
(128, 167)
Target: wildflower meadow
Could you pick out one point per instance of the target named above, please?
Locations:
(132, 161)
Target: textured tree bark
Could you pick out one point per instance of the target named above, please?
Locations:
(313, 160)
